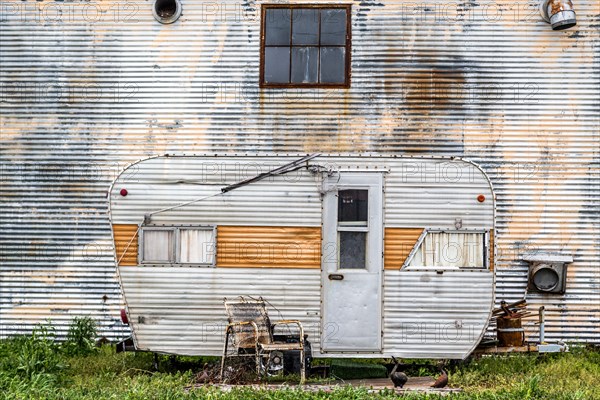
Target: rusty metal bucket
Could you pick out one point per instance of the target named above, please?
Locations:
(510, 332)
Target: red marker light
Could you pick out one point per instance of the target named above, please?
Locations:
(481, 198)
(124, 316)
(123, 192)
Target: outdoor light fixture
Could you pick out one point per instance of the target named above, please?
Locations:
(559, 13)
(166, 11)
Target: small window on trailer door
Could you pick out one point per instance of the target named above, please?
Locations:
(453, 249)
(189, 245)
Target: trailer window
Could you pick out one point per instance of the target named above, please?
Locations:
(305, 46)
(197, 246)
(158, 246)
(189, 245)
(452, 249)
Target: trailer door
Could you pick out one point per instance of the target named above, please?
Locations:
(352, 262)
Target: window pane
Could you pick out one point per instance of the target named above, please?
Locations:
(353, 206)
(305, 26)
(277, 26)
(333, 65)
(305, 64)
(196, 246)
(277, 64)
(460, 250)
(353, 247)
(158, 246)
(333, 27)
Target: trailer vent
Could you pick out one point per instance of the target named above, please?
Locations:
(548, 272)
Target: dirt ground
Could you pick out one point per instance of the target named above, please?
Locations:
(420, 384)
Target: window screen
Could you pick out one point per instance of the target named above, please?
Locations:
(305, 46)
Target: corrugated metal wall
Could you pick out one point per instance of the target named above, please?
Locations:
(87, 87)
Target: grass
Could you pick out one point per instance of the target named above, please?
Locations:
(37, 367)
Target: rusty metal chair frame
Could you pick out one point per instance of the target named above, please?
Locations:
(254, 331)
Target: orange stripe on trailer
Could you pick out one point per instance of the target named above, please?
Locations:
(398, 242)
(268, 247)
(123, 234)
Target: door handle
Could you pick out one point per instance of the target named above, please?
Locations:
(336, 277)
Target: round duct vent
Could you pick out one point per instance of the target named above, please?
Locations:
(558, 13)
(545, 278)
(166, 11)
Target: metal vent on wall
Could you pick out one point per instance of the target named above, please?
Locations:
(166, 11)
(548, 272)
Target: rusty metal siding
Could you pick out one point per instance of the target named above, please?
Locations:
(87, 87)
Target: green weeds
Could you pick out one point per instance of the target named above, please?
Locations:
(81, 338)
(38, 367)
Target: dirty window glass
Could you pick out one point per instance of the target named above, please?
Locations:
(305, 26)
(305, 46)
(178, 245)
(196, 246)
(333, 27)
(158, 246)
(333, 69)
(277, 65)
(353, 248)
(304, 64)
(277, 27)
(353, 206)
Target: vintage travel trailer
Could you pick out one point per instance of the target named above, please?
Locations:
(375, 255)
(408, 91)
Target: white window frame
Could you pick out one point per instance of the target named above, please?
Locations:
(486, 248)
(175, 250)
(354, 226)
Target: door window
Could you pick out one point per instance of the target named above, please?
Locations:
(352, 228)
